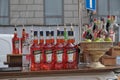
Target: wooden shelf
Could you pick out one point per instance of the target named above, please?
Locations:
(45, 73)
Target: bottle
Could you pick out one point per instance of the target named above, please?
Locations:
(65, 34)
(104, 32)
(95, 29)
(70, 53)
(25, 50)
(84, 32)
(49, 53)
(41, 45)
(111, 33)
(35, 53)
(24, 42)
(108, 23)
(59, 52)
(89, 34)
(15, 43)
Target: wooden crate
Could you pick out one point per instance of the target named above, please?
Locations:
(108, 60)
(114, 51)
(14, 60)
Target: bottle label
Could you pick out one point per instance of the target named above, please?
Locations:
(17, 44)
(48, 56)
(25, 47)
(71, 55)
(37, 56)
(59, 55)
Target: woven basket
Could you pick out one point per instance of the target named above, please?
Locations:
(96, 45)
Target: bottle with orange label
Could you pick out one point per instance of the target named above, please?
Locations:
(71, 53)
(49, 53)
(59, 52)
(41, 46)
(15, 43)
(35, 53)
(24, 42)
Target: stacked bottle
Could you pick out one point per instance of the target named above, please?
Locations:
(49, 52)
(15, 43)
(59, 52)
(35, 53)
(71, 52)
(24, 42)
(46, 54)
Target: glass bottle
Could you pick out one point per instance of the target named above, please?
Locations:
(41, 46)
(59, 52)
(35, 53)
(15, 43)
(24, 42)
(104, 32)
(108, 23)
(70, 53)
(49, 53)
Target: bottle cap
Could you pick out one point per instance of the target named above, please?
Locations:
(52, 33)
(23, 29)
(15, 29)
(47, 33)
(70, 33)
(62, 33)
(41, 33)
(35, 33)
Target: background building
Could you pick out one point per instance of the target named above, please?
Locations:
(51, 12)
(45, 12)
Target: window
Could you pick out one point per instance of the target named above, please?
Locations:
(102, 7)
(4, 10)
(108, 7)
(53, 12)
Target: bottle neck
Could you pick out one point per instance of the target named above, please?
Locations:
(71, 39)
(48, 41)
(23, 34)
(58, 40)
(15, 34)
(41, 40)
(35, 41)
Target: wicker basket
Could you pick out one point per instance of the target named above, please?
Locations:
(95, 45)
(94, 51)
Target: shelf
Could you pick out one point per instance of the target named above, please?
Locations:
(44, 73)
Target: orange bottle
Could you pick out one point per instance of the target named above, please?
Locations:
(35, 53)
(49, 53)
(59, 52)
(41, 46)
(24, 40)
(71, 53)
(15, 43)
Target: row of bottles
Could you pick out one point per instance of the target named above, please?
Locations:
(44, 53)
(49, 56)
(19, 44)
(100, 29)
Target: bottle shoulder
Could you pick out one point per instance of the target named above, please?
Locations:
(69, 45)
